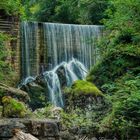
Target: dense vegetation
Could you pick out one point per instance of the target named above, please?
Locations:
(7, 74)
(117, 74)
(66, 11)
(11, 7)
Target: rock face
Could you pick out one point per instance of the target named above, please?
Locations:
(37, 91)
(13, 92)
(42, 129)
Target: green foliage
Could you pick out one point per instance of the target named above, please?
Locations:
(11, 7)
(117, 73)
(44, 112)
(7, 74)
(122, 23)
(13, 108)
(130, 108)
(81, 87)
(3, 53)
(77, 119)
(92, 11)
(123, 14)
(66, 11)
(124, 118)
(4, 66)
(116, 62)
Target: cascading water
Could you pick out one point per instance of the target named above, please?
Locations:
(53, 80)
(65, 48)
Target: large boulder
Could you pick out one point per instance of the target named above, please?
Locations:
(82, 94)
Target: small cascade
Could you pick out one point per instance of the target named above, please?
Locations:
(53, 79)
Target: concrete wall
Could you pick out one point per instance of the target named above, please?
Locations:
(10, 26)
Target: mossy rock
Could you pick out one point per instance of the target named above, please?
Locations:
(13, 108)
(13, 92)
(84, 95)
(81, 87)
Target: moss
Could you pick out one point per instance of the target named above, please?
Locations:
(13, 107)
(81, 87)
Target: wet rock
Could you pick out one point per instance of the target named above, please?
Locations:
(62, 75)
(37, 93)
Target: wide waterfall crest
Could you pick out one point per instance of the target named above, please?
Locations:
(67, 41)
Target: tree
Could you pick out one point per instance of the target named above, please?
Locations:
(10, 7)
(67, 11)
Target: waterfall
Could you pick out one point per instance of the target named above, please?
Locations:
(58, 51)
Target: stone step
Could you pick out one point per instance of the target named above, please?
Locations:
(39, 128)
(6, 22)
(5, 25)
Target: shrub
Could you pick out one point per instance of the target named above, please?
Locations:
(13, 107)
